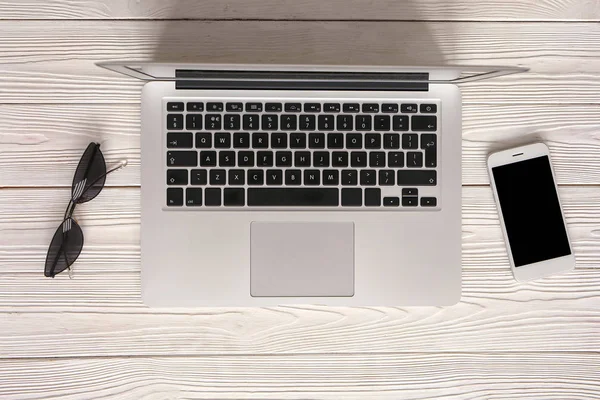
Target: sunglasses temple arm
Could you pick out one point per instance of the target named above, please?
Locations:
(119, 166)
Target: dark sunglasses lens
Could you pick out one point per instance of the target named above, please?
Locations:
(88, 180)
(64, 248)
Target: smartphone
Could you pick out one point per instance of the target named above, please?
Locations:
(530, 213)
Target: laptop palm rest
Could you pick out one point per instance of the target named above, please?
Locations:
(301, 259)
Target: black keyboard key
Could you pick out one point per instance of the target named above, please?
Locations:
(410, 192)
(234, 197)
(377, 159)
(254, 107)
(246, 159)
(256, 177)
(274, 177)
(302, 159)
(373, 141)
(174, 197)
(179, 140)
(424, 177)
(349, 177)
(250, 122)
(214, 106)
(410, 141)
(177, 177)
(345, 123)
(351, 197)
(308, 122)
(354, 141)
(428, 202)
(236, 177)
(414, 159)
(331, 177)
(391, 201)
(364, 122)
(331, 107)
(312, 107)
(372, 197)
(193, 197)
(387, 177)
(316, 140)
(264, 159)
(389, 108)
(429, 144)
(195, 107)
(270, 122)
(223, 140)
(428, 108)
(273, 107)
(424, 123)
(182, 158)
(382, 123)
(212, 122)
(217, 177)
(298, 140)
(260, 140)
(410, 201)
(193, 122)
(326, 122)
(370, 108)
(283, 159)
(241, 140)
(289, 122)
(351, 107)
(339, 159)
(408, 108)
(391, 141)
(174, 121)
(174, 106)
(293, 107)
(358, 159)
(227, 159)
(299, 197)
(312, 177)
(368, 177)
(400, 123)
(212, 197)
(203, 140)
(395, 159)
(335, 141)
(279, 140)
(234, 107)
(293, 177)
(198, 177)
(321, 159)
(232, 122)
(208, 158)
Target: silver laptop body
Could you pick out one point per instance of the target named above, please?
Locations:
(266, 185)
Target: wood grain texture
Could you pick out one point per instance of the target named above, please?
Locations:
(41, 144)
(385, 376)
(518, 10)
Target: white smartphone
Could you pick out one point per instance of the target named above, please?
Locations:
(532, 220)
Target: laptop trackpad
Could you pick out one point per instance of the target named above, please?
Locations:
(300, 259)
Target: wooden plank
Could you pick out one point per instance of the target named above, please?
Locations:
(42, 144)
(513, 10)
(323, 376)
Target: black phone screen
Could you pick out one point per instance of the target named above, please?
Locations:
(531, 211)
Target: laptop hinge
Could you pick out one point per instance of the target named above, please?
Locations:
(303, 80)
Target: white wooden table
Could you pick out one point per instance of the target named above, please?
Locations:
(92, 338)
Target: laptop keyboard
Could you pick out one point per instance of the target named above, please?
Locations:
(304, 154)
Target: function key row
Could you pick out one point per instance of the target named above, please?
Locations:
(299, 107)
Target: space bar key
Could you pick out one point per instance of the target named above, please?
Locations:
(323, 197)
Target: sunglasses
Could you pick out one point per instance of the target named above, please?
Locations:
(88, 181)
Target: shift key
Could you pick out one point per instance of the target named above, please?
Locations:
(182, 158)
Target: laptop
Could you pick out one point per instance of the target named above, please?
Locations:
(287, 184)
